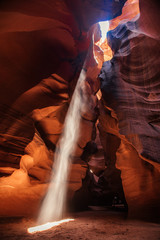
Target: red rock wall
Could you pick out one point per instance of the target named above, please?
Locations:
(130, 110)
(42, 50)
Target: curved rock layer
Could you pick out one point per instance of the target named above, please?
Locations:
(131, 87)
(42, 52)
(43, 49)
(131, 104)
(129, 11)
(43, 46)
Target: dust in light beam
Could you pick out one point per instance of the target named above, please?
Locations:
(54, 203)
(104, 26)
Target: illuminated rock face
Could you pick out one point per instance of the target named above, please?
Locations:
(42, 52)
(129, 11)
(130, 89)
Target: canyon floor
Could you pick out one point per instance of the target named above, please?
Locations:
(94, 224)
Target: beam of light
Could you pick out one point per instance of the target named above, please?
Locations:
(53, 206)
(104, 26)
(7, 186)
(47, 226)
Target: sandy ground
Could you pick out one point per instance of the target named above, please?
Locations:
(88, 225)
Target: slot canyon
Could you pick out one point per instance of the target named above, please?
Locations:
(112, 190)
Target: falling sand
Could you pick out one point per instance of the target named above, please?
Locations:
(53, 205)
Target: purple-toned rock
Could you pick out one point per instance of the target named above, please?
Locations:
(130, 110)
(130, 86)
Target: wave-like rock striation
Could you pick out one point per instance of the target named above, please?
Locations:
(130, 83)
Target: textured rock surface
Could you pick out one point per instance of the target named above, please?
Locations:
(132, 87)
(29, 55)
(42, 50)
(129, 11)
(43, 47)
(130, 90)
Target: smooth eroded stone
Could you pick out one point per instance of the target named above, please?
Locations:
(130, 89)
(130, 86)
